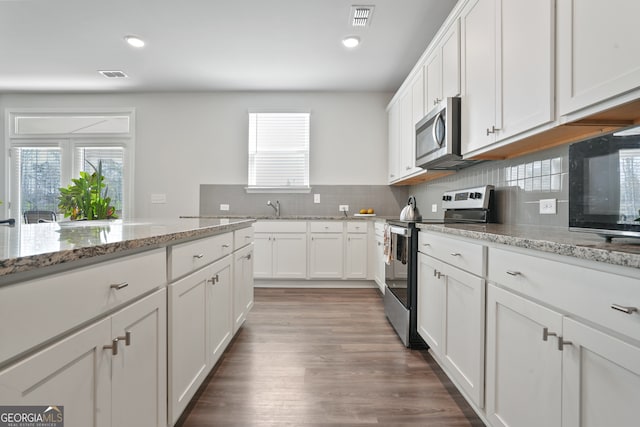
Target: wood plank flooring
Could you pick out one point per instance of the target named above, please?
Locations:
(324, 357)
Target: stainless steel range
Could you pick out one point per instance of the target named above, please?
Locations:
(469, 205)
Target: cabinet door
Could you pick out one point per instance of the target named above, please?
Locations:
(139, 370)
(187, 339)
(451, 62)
(394, 142)
(380, 262)
(433, 71)
(407, 134)
(600, 378)
(463, 350)
(523, 371)
(527, 29)
(219, 309)
(431, 303)
(597, 51)
(242, 285)
(326, 256)
(74, 373)
(290, 255)
(356, 256)
(478, 28)
(263, 259)
(417, 106)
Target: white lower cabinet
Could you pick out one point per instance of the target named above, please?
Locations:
(326, 258)
(523, 379)
(356, 253)
(99, 378)
(430, 303)
(379, 259)
(600, 378)
(281, 255)
(200, 326)
(242, 285)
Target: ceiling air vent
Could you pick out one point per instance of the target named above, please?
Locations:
(115, 74)
(360, 16)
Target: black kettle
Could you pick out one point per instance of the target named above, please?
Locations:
(410, 212)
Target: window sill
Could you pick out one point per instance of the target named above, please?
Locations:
(278, 189)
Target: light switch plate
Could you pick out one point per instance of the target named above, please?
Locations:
(316, 198)
(224, 207)
(548, 207)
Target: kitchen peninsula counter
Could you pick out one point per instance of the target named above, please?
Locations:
(27, 247)
(623, 252)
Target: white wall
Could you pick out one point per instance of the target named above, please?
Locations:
(187, 139)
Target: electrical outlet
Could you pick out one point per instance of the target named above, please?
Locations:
(548, 207)
(316, 198)
(434, 207)
(224, 207)
(343, 208)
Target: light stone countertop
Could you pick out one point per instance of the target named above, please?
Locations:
(301, 217)
(556, 240)
(26, 247)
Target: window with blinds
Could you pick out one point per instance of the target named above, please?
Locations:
(112, 159)
(37, 173)
(279, 150)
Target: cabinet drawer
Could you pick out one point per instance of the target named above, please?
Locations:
(190, 256)
(280, 226)
(52, 305)
(575, 290)
(356, 227)
(379, 227)
(465, 255)
(325, 227)
(242, 237)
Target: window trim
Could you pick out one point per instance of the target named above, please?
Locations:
(68, 144)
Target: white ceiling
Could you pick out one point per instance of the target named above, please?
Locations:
(203, 45)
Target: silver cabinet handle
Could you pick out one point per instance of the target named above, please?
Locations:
(126, 338)
(225, 246)
(513, 273)
(624, 309)
(546, 334)
(440, 275)
(118, 286)
(379, 244)
(562, 343)
(199, 256)
(426, 244)
(492, 130)
(247, 237)
(248, 256)
(212, 280)
(113, 347)
(407, 167)
(455, 254)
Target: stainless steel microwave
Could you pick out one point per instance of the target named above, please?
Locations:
(438, 138)
(604, 185)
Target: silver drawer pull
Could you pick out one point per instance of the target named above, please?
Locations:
(546, 334)
(247, 237)
(113, 347)
(513, 273)
(426, 244)
(225, 246)
(624, 309)
(199, 256)
(455, 254)
(126, 338)
(248, 256)
(562, 343)
(118, 286)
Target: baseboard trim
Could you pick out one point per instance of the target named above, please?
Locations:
(335, 284)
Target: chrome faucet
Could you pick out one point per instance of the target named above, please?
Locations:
(276, 207)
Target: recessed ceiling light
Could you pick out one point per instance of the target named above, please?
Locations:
(351, 41)
(134, 41)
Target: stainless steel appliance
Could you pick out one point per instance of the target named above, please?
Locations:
(438, 138)
(473, 205)
(604, 185)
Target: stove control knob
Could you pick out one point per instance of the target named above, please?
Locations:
(472, 195)
(446, 198)
(478, 195)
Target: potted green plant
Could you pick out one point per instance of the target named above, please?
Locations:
(86, 198)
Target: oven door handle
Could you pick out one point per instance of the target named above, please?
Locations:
(399, 230)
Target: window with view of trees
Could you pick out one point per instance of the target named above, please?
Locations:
(48, 150)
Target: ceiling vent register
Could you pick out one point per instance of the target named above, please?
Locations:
(113, 74)
(361, 16)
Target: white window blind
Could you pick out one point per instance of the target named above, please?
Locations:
(36, 177)
(112, 168)
(279, 150)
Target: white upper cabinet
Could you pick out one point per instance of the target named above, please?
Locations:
(598, 56)
(507, 69)
(394, 142)
(442, 69)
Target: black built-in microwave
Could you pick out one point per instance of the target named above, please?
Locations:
(604, 185)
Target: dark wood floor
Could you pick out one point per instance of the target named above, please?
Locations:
(325, 357)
